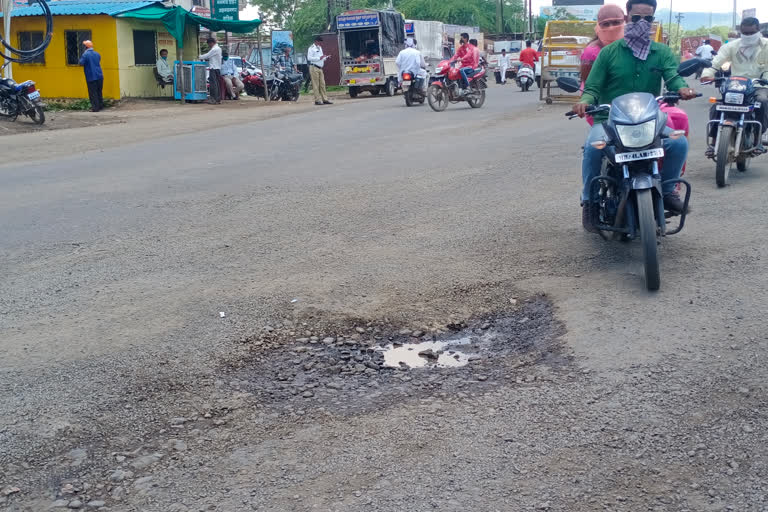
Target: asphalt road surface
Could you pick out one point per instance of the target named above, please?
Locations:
(157, 274)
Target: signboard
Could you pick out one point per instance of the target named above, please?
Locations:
(226, 10)
(365, 19)
(749, 13)
(409, 29)
(562, 3)
(201, 11)
(580, 12)
(281, 39)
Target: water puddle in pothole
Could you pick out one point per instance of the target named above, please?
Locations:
(439, 354)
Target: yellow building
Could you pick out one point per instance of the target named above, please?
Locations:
(129, 47)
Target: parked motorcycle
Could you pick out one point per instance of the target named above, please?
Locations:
(253, 83)
(446, 84)
(20, 99)
(628, 192)
(286, 86)
(735, 137)
(413, 89)
(525, 77)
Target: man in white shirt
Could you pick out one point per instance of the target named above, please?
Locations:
(214, 65)
(411, 60)
(748, 56)
(503, 66)
(163, 68)
(316, 61)
(231, 80)
(705, 50)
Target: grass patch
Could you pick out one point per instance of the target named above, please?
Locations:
(61, 104)
(329, 88)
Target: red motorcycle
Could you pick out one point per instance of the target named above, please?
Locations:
(446, 87)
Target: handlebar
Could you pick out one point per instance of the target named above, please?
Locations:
(590, 111)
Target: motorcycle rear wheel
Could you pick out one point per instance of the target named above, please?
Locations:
(723, 165)
(408, 98)
(437, 97)
(647, 222)
(477, 99)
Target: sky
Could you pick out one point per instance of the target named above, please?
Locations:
(251, 12)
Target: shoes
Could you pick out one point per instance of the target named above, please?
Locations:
(588, 213)
(674, 204)
(326, 102)
(319, 103)
(710, 152)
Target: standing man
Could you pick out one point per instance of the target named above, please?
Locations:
(503, 66)
(316, 61)
(632, 64)
(229, 73)
(94, 77)
(214, 64)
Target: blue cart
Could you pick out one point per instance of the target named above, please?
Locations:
(195, 80)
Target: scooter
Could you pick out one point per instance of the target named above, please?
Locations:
(525, 77)
(413, 89)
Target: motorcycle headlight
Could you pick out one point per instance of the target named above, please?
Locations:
(637, 136)
(735, 86)
(736, 98)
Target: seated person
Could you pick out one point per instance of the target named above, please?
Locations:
(163, 68)
(229, 73)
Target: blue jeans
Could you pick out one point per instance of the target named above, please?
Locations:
(464, 72)
(675, 154)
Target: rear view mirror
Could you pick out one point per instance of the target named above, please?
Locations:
(692, 66)
(568, 84)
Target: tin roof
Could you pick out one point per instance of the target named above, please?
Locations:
(75, 7)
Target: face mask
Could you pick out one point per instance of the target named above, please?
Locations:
(638, 38)
(164, 57)
(610, 34)
(226, 58)
(751, 40)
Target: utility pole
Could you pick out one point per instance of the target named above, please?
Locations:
(500, 16)
(679, 17)
(735, 16)
(670, 18)
(7, 6)
(530, 18)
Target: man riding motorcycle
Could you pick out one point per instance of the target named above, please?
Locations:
(469, 56)
(410, 60)
(632, 64)
(748, 57)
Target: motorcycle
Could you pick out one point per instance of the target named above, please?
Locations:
(446, 84)
(20, 99)
(285, 86)
(628, 191)
(736, 136)
(413, 89)
(253, 83)
(525, 77)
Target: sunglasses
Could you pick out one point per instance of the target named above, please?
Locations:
(637, 18)
(610, 23)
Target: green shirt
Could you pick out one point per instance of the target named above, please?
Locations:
(617, 71)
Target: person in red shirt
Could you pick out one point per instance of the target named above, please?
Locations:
(469, 56)
(528, 55)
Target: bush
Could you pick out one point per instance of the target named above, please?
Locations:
(74, 104)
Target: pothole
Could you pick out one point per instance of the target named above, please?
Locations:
(358, 368)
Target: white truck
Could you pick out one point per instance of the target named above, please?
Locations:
(430, 36)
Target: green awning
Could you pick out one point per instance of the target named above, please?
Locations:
(176, 18)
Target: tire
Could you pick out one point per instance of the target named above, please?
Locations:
(408, 99)
(475, 102)
(353, 92)
(37, 115)
(437, 97)
(742, 164)
(548, 100)
(647, 223)
(723, 166)
(390, 89)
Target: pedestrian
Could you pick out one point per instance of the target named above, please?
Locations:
(94, 77)
(214, 75)
(316, 61)
(503, 66)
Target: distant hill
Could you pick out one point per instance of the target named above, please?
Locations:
(694, 20)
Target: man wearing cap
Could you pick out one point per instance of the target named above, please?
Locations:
(410, 60)
(94, 77)
(316, 61)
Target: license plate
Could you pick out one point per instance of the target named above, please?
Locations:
(34, 95)
(733, 108)
(406, 82)
(646, 154)
(353, 81)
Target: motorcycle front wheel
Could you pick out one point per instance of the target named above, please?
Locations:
(37, 115)
(647, 223)
(437, 97)
(723, 164)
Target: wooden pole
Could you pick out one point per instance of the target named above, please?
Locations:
(180, 74)
(261, 63)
